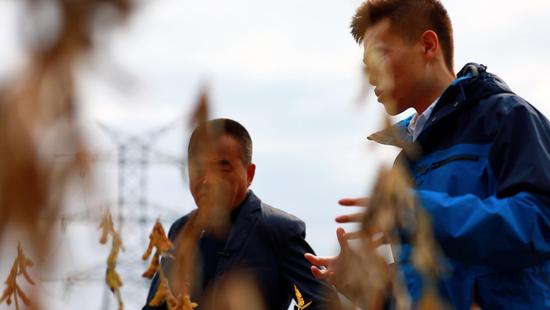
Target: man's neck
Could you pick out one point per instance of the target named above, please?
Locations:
(437, 86)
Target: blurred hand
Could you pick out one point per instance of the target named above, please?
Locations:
(377, 238)
(354, 217)
(325, 267)
(353, 202)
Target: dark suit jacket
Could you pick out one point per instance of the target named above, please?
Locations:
(268, 244)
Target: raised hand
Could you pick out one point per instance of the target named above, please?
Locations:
(325, 267)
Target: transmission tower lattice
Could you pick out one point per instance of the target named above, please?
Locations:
(132, 215)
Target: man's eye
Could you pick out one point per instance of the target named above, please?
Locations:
(224, 164)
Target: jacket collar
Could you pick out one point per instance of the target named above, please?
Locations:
(240, 230)
(396, 135)
(462, 90)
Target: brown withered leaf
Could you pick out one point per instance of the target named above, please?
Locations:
(183, 302)
(201, 112)
(13, 289)
(153, 266)
(162, 294)
(107, 227)
(159, 240)
(237, 290)
(112, 277)
(392, 210)
(23, 262)
(38, 100)
(431, 301)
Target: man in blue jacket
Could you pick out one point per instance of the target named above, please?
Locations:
(484, 170)
(262, 242)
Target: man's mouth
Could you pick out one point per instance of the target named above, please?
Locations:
(378, 94)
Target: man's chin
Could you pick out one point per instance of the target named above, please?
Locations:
(391, 108)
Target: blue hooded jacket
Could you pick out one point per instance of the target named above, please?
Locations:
(484, 177)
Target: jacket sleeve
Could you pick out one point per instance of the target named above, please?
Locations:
(510, 229)
(296, 269)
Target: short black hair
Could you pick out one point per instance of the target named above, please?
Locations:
(409, 19)
(217, 128)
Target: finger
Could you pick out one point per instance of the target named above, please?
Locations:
(331, 278)
(377, 235)
(373, 230)
(319, 273)
(359, 202)
(318, 260)
(376, 242)
(350, 218)
(342, 241)
(354, 235)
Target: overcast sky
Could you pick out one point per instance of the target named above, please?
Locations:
(290, 72)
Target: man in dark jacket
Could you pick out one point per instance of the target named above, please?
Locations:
(484, 170)
(262, 242)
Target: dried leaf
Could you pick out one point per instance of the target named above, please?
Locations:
(162, 293)
(159, 240)
(183, 302)
(112, 277)
(200, 114)
(153, 266)
(107, 227)
(430, 301)
(13, 289)
(22, 295)
(113, 280)
(6, 295)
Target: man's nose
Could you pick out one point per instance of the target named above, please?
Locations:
(372, 76)
(209, 177)
(372, 80)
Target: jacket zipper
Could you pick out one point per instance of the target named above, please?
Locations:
(443, 162)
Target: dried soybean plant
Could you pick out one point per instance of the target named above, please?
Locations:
(212, 211)
(175, 288)
(38, 114)
(393, 212)
(40, 100)
(162, 245)
(235, 292)
(112, 277)
(164, 295)
(13, 289)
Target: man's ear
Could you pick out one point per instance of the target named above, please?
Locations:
(430, 44)
(250, 171)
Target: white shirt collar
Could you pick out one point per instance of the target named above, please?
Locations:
(418, 122)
